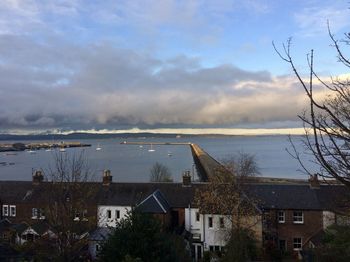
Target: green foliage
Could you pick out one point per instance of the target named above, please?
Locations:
(335, 245)
(139, 237)
(241, 247)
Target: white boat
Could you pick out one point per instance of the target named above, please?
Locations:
(31, 151)
(98, 148)
(170, 154)
(151, 149)
(62, 149)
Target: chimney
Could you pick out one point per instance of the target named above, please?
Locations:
(107, 178)
(314, 182)
(186, 179)
(38, 177)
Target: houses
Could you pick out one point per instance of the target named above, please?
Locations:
(288, 216)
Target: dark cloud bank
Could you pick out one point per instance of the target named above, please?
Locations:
(53, 84)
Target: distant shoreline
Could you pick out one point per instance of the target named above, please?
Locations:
(50, 137)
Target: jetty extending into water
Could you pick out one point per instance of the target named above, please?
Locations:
(39, 145)
(206, 165)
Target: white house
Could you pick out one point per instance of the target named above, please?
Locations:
(108, 215)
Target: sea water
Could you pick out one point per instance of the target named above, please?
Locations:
(132, 163)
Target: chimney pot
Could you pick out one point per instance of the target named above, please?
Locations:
(186, 179)
(107, 178)
(314, 182)
(37, 177)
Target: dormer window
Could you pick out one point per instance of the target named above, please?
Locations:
(109, 214)
(298, 217)
(117, 214)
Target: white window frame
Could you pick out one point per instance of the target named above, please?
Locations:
(281, 217)
(297, 219)
(210, 222)
(296, 242)
(12, 210)
(5, 210)
(35, 213)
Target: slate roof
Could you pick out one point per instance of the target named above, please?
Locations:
(100, 233)
(14, 191)
(4, 225)
(154, 203)
(268, 196)
(40, 227)
(131, 194)
(298, 196)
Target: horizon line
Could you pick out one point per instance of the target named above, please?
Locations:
(178, 131)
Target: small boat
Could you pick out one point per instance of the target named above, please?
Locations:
(11, 154)
(30, 151)
(151, 149)
(62, 150)
(140, 146)
(98, 148)
(170, 154)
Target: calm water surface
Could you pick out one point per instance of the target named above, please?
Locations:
(132, 163)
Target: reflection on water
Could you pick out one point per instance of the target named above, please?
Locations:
(131, 163)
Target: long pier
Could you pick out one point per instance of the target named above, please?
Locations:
(205, 164)
(156, 143)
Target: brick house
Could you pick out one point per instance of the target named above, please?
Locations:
(291, 216)
(295, 213)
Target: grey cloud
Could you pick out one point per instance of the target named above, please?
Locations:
(55, 85)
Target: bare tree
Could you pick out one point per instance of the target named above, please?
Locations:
(160, 173)
(326, 121)
(69, 196)
(225, 195)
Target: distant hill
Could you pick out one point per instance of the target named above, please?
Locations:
(84, 136)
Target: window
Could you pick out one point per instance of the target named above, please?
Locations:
(76, 216)
(117, 214)
(210, 222)
(109, 213)
(12, 211)
(298, 217)
(297, 243)
(222, 222)
(35, 213)
(197, 217)
(5, 210)
(281, 217)
(282, 245)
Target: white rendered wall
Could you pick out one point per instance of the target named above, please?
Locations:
(104, 221)
(328, 218)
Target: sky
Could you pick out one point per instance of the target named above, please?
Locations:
(183, 65)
